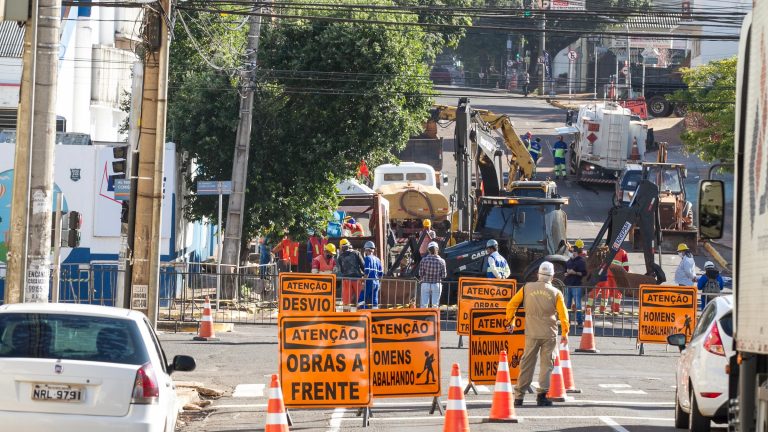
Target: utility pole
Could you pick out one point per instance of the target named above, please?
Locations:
(230, 254)
(543, 46)
(17, 242)
(145, 264)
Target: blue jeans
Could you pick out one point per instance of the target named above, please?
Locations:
(369, 296)
(430, 293)
(573, 295)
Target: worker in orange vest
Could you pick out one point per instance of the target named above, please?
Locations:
(315, 245)
(326, 263)
(621, 259)
(288, 251)
(354, 228)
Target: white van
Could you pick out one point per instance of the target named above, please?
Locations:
(405, 172)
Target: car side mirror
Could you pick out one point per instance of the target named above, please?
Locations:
(182, 363)
(678, 340)
(711, 209)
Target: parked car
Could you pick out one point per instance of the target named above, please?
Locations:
(69, 367)
(627, 185)
(440, 75)
(702, 383)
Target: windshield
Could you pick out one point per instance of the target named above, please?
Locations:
(508, 222)
(630, 180)
(529, 192)
(71, 337)
(667, 179)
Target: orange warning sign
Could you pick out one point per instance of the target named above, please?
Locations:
(482, 293)
(488, 337)
(666, 310)
(324, 360)
(405, 352)
(307, 292)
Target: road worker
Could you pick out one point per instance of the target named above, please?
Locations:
(544, 305)
(685, 275)
(496, 265)
(326, 263)
(369, 297)
(426, 235)
(558, 153)
(354, 228)
(432, 271)
(621, 259)
(351, 267)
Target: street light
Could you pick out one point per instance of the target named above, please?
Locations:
(595, 40)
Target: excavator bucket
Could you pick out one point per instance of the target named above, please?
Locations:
(670, 239)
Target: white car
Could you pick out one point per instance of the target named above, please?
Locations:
(702, 383)
(68, 367)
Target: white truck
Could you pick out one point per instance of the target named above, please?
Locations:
(748, 384)
(604, 134)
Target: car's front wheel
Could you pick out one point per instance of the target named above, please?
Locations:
(681, 417)
(696, 421)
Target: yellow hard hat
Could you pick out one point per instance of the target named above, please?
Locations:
(330, 248)
(426, 223)
(579, 243)
(682, 247)
(343, 242)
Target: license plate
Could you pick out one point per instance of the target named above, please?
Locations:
(57, 393)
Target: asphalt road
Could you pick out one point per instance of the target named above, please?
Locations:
(621, 390)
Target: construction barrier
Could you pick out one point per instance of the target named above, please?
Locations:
(488, 338)
(481, 293)
(666, 310)
(307, 293)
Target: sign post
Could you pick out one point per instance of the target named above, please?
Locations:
(666, 310)
(572, 56)
(325, 361)
(219, 188)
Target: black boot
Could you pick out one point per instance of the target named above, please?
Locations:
(541, 400)
(518, 402)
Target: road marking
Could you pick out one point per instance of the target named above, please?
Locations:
(615, 426)
(590, 221)
(248, 390)
(258, 406)
(570, 403)
(482, 389)
(546, 417)
(336, 418)
(637, 392)
(612, 386)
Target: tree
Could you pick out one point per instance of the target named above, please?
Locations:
(711, 104)
(329, 94)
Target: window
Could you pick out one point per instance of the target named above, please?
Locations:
(630, 180)
(668, 180)
(416, 176)
(393, 177)
(158, 347)
(705, 320)
(529, 192)
(71, 337)
(726, 323)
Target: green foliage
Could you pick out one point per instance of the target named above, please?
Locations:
(711, 103)
(328, 95)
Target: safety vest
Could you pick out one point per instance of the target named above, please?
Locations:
(621, 259)
(317, 244)
(559, 149)
(321, 265)
(355, 230)
(293, 252)
(497, 262)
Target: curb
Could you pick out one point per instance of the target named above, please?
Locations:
(716, 256)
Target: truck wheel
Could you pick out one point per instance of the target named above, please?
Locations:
(696, 421)
(680, 110)
(681, 417)
(659, 107)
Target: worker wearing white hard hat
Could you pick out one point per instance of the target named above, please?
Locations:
(544, 305)
(373, 271)
(710, 283)
(432, 271)
(496, 266)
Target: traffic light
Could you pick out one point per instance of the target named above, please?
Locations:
(75, 221)
(120, 164)
(125, 206)
(686, 9)
(527, 6)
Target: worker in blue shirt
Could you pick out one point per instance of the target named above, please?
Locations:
(497, 267)
(369, 296)
(558, 153)
(710, 283)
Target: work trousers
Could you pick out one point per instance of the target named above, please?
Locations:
(430, 293)
(560, 167)
(369, 297)
(528, 364)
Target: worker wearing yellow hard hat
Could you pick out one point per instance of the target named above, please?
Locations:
(426, 235)
(326, 263)
(579, 243)
(426, 223)
(344, 242)
(682, 247)
(685, 274)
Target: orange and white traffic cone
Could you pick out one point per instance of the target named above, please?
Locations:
(567, 369)
(635, 152)
(556, 386)
(587, 344)
(456, 418)
(502, 410)
(277, 419)
(205, 331)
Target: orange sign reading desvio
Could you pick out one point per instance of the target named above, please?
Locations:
(302, 293)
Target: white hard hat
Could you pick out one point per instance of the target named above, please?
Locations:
(709, 265)
(432, 245)
(546, 268)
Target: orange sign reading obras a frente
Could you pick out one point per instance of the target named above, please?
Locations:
(302, 293)
(405, 352)
(488, 337)
(482, 293)
(666, 310)
(324, 360)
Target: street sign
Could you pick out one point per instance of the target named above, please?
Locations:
(482, 293)
(489, 336)
(541, 60)
(666, 310)
(572, 56)
(214, 187)
(307, 293)
(122, 189)
(405, 352)
(324, 360)
(624, 70)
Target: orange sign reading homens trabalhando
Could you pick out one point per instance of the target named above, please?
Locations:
(666, 310)
(302, 293)
(405, 352)
(482, 293)
(324, 360)
(488, 337)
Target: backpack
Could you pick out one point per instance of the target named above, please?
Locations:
(711, 287)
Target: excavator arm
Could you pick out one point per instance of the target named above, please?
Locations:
(521, 160)
(641, 213)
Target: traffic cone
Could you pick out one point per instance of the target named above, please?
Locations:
(635, 152)
(502, 410)
(556, 386)
(587, 344)
(565, 366)
(205, 331)
(456, 418)
(277, 419)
